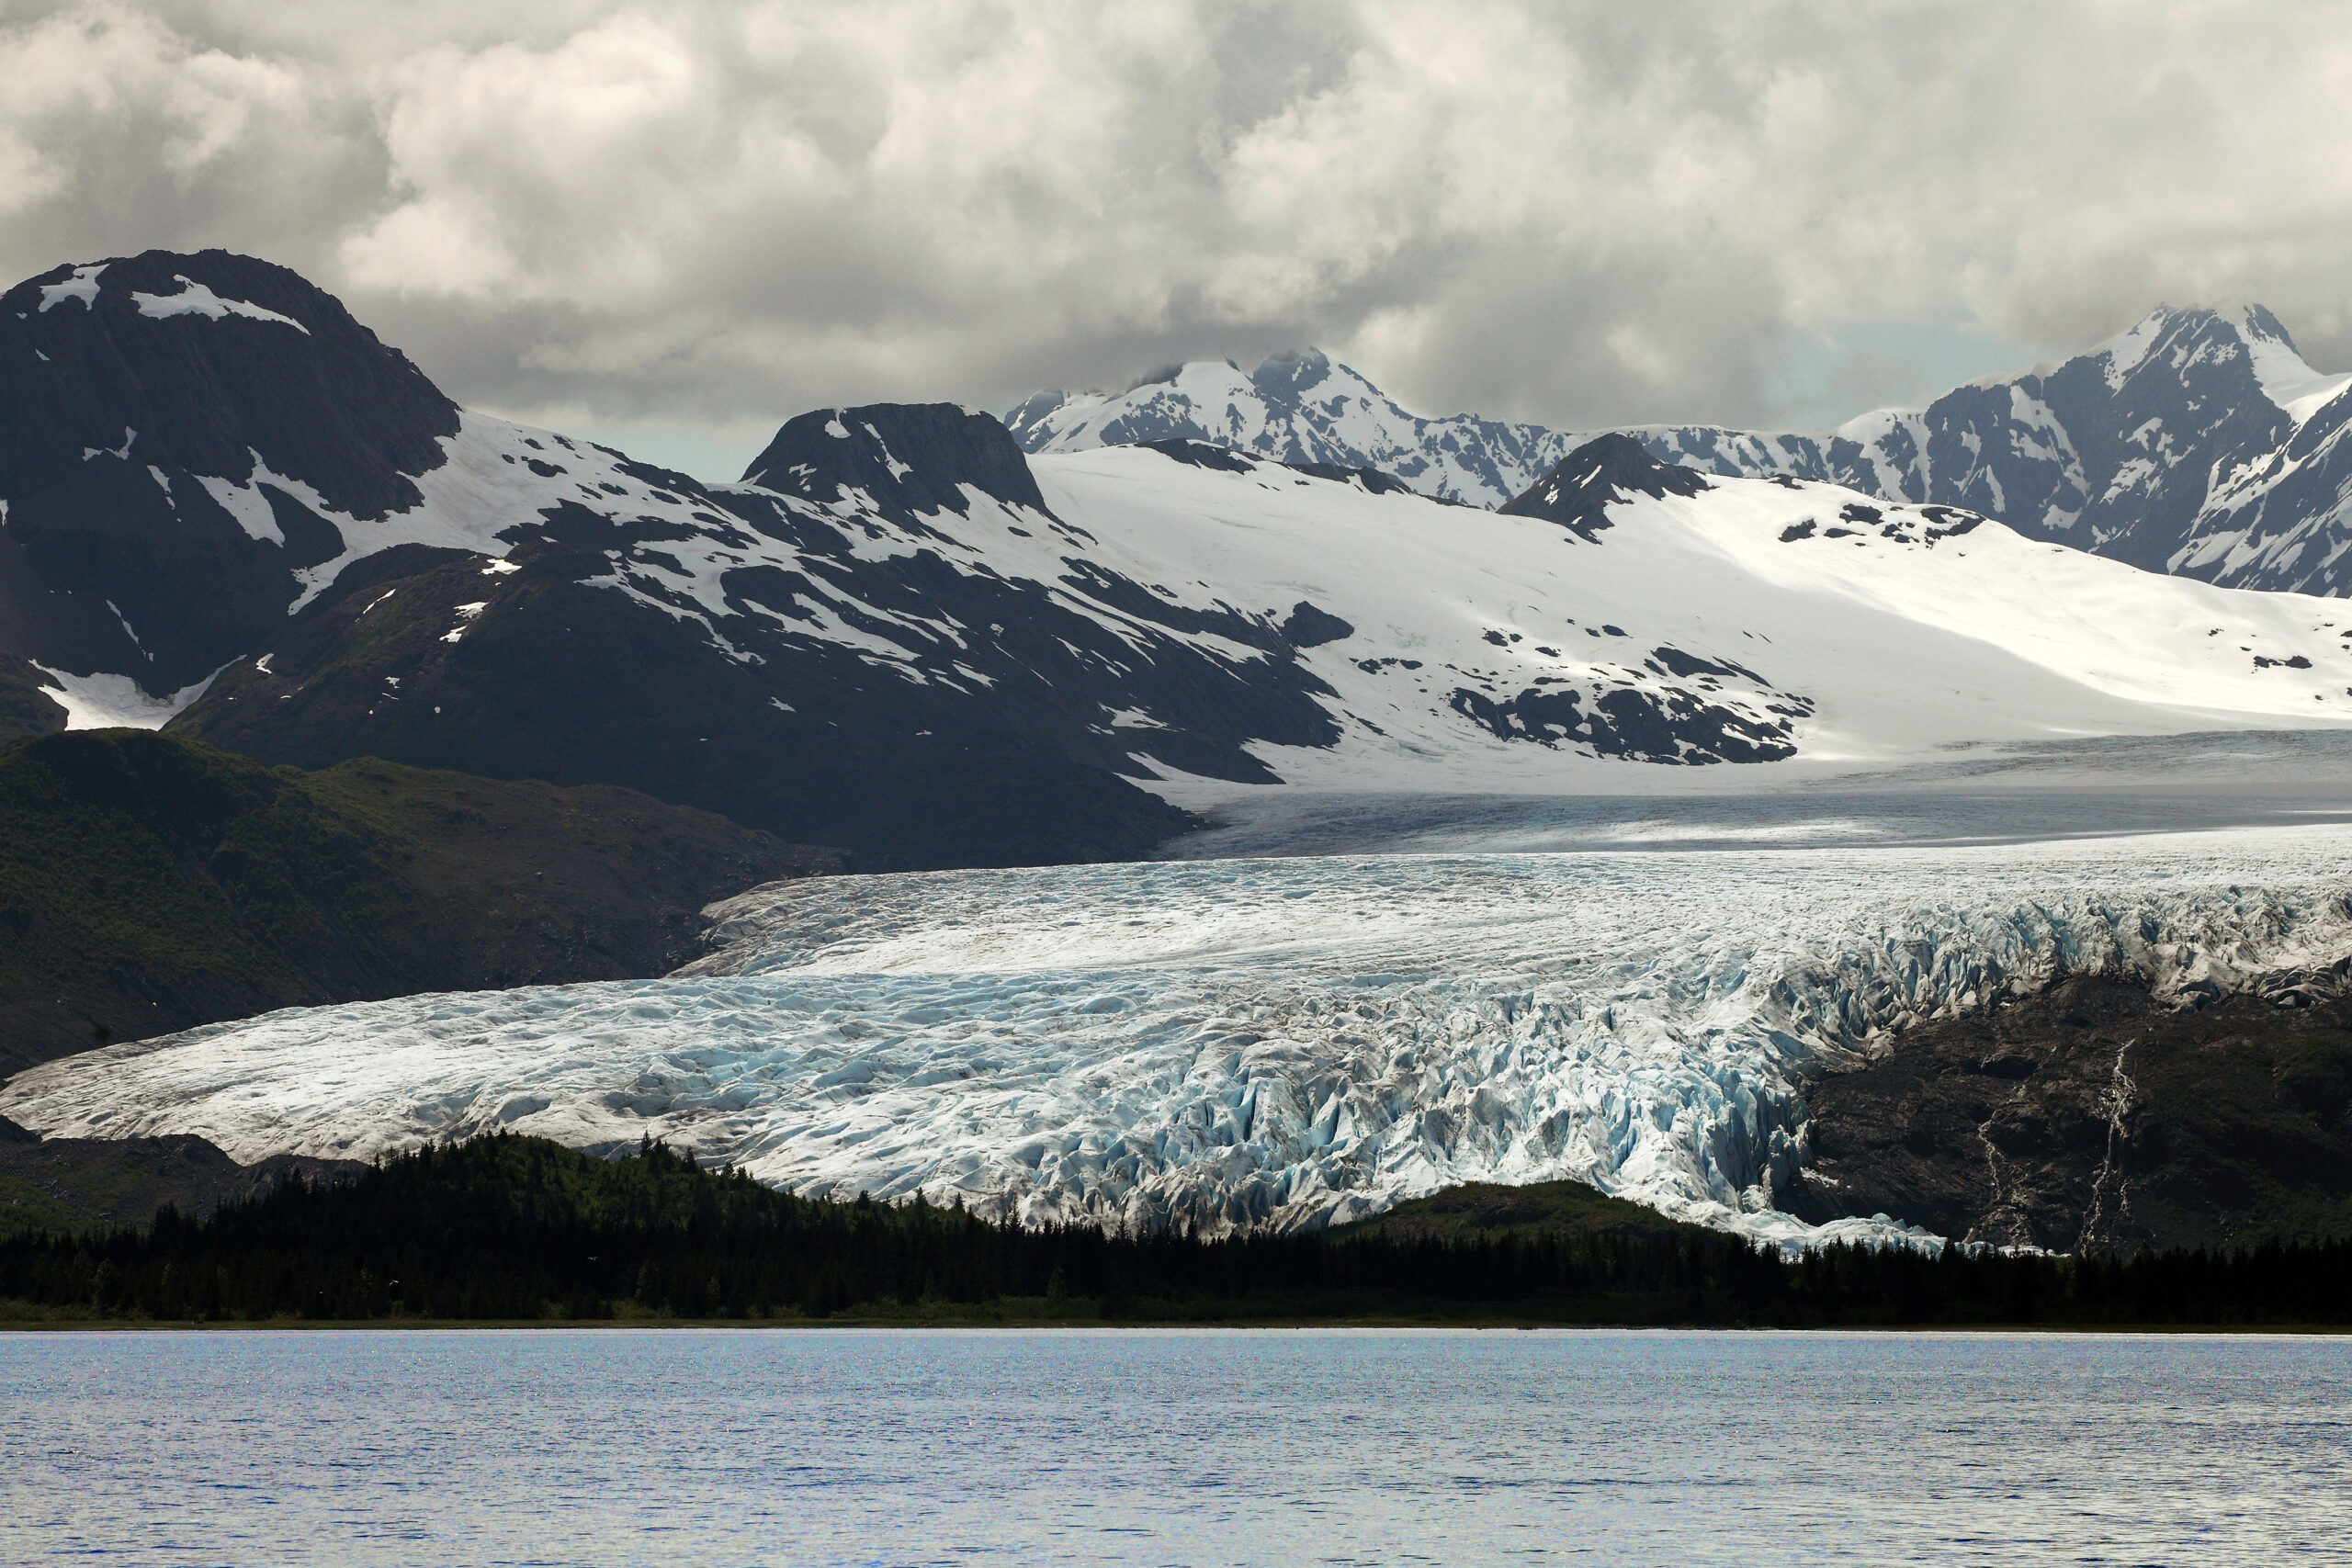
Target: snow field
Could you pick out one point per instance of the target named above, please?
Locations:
(1906, 643)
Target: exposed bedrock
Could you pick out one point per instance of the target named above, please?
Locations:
(2094, 1117)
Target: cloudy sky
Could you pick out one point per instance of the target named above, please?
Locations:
(675, 223)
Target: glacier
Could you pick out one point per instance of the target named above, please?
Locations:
(1287, 1041)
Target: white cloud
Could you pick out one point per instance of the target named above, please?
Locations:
(706, 214)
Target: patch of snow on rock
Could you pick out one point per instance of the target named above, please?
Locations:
(83, 285)
(195, 299)
(115, 701)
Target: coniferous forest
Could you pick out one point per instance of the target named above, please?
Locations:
(507, 1228)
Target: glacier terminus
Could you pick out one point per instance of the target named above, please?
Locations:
(1287, 1042)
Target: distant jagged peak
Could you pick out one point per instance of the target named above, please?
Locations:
(1189, 397)
(1300, 407)
(1582, 486)
(2108, 449)
(2180, 336)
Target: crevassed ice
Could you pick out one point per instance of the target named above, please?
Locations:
(1286, 1041)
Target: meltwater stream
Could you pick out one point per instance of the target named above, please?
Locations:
(1133, 1446)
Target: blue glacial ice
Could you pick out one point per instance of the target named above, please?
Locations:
(1282, 1041)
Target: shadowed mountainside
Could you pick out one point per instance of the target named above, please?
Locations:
(150, 884)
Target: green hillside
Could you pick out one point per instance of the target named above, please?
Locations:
(149, 884)
(1543, 1208)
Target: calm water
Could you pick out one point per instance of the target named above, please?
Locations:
(1170, 1447)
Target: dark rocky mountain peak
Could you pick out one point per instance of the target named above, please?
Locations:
(1290, 376)
(1202, 455)
(200, 364)
(1233, 460)
(1582, 486)
(181, 437)
(910, 458)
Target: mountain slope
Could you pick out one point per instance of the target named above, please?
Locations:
(148, 883)
(903, 636)
(2198, 441)
(77, 1184)
(2092, 1118)
(1196, 619)
(207, 446)
(1652, 615)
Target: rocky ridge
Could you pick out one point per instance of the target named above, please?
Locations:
(2198, 441)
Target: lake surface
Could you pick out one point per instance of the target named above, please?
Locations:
(1140, 1447)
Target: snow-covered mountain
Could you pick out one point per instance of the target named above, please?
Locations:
(214, 480)
(1300, 409)
(901, 635)
(2198, 443)
(1198, 621)
(172, 430)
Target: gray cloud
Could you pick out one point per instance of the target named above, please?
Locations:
(704, 216)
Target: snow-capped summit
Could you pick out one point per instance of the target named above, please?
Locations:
(1298, 407)
(2197, 442)
(2117, 449)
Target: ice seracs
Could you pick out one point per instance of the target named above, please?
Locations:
(1286, 1043)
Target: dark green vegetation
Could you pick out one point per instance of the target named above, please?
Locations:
(2091, 1118)
(513, 1228)
(1487, 1209)
(149, 884)
(72, 1184)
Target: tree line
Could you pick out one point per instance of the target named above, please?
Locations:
(505, 1227)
